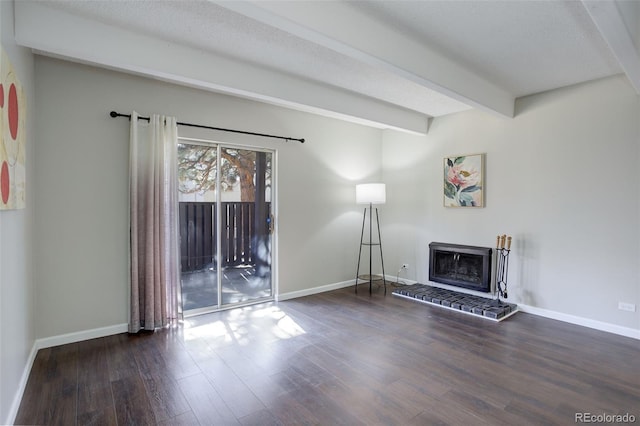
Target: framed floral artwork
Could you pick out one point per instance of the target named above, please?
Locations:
(464, 181)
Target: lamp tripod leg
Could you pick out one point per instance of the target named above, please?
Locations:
(384, 281)
(364, 216)
(370, 241)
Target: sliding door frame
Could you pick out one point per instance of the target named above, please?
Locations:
(273, 234)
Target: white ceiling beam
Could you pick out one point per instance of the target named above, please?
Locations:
(611, 24)
(338, 26)
(60, 34)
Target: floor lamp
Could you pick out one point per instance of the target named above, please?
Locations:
(370, 193)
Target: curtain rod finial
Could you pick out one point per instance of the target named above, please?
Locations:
(113, 114)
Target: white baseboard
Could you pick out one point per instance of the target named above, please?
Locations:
(314, 290)
(17, 399)
(585, 322)
(399, 280)
(330, 287)
(79, 336)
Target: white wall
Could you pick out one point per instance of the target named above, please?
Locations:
(562, 178)
(17, 330)
(81, 167)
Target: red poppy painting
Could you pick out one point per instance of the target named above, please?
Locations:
(12, 142)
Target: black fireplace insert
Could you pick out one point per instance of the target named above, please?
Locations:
(461, 266)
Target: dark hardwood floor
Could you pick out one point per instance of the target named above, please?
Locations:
(338, 359)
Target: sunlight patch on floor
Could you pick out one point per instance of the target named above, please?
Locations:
(238, 324)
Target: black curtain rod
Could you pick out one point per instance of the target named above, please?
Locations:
(114, 114)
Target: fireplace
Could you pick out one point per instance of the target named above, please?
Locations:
(461, 266)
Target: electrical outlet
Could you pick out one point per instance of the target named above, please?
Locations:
(405, 266)
(626, 306)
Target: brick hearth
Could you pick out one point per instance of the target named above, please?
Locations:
(468, 303)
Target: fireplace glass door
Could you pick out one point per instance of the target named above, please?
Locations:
(460, 266)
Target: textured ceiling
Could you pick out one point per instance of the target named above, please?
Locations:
(522, 47)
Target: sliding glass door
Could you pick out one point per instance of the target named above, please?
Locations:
(226, 202)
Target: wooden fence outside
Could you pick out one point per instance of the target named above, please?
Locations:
(198, 234)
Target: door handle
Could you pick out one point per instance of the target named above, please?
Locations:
(271, 223)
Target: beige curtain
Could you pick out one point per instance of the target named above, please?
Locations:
(153, 222)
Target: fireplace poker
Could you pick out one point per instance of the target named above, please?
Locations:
(503, 248)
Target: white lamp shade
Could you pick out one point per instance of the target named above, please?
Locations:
(371, 193)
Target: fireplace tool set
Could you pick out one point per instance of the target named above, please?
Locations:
(503, 248)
